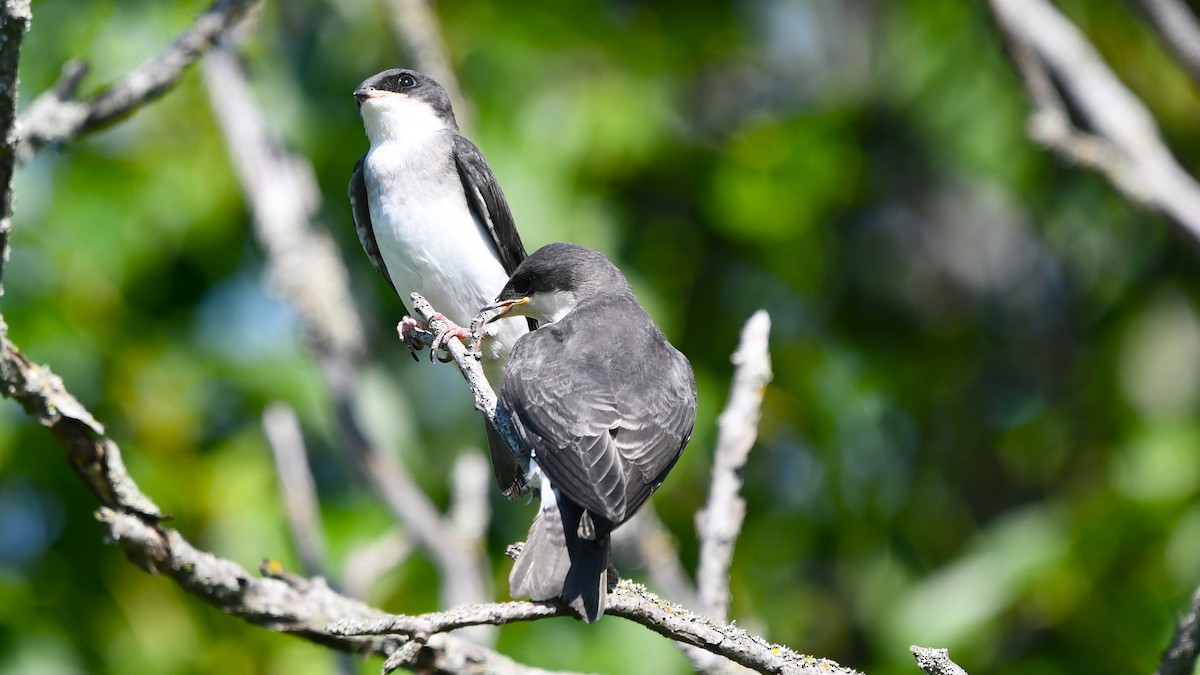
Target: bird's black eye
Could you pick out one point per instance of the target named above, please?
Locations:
(522, 285)
(407, 82)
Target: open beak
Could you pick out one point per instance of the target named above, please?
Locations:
(500, 309)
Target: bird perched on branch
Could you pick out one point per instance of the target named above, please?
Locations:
(604, 405)
(433, 220)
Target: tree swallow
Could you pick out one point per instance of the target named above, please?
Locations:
(433, 220)
(604, 405)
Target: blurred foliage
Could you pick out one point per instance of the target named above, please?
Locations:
(983, 428)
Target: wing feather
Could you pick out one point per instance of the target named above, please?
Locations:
(606, 408)
(487, 202)
(360, 209)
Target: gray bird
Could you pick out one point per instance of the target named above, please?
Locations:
(433, 220)
(604, 406)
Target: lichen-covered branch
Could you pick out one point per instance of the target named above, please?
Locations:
(281, 602)
(627, 600)
(57, 116)
(935, 661)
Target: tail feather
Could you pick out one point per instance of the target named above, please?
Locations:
(586, 585)
(557, 563)
(541, 569)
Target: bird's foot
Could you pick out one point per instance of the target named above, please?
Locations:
(447, 330)
(414, 334)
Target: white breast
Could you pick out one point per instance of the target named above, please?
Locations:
(428, 237)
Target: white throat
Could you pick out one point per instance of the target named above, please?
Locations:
(398, 117)
(551, 306)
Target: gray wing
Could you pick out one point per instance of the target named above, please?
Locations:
(361, 211)
(487, 202)
(605, 428)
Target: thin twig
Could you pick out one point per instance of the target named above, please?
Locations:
(15, 16)
(1126, 146)
(1180, 657)
(57, 116)
(1179, 30)
(935, 661)
(720, 522)
(283, 433)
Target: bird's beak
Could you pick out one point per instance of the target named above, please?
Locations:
(500, 309)
(363, 93)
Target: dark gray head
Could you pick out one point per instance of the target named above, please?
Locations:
(556, 278)
(402, 102)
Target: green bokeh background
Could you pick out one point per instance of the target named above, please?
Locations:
(983, 429)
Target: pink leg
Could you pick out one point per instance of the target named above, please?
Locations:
(452, 330)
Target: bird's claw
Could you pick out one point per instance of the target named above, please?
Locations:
(414, 334)
(448, 330)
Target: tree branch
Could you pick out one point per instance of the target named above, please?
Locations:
(1126, 146)
(56, 116)
(15, 16)
(935, 661)
(1180, 657)
(720, 522)
(282, 602)
(627, 600)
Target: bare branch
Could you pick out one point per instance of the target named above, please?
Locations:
(56, 116)
(283, 433)
(472, 371)
(14, 21)
(283, 603)
(627, 600)
(1127, 147)
(303, 265)
(1179, 30)
(1180, 657)
(935, 661)
(96, 459)
(720, 522)
(417, 28)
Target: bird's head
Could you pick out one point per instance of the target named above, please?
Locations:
(402, 103)
(554, 280)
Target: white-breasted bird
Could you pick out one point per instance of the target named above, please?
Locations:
(433, 220)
